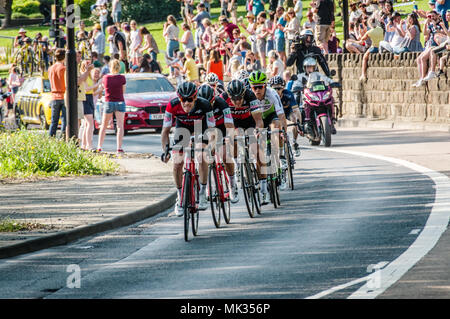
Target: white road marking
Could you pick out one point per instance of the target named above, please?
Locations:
(436, 225)
(414, 231)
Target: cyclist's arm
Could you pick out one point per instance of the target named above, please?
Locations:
(167, 124)
(280, 111)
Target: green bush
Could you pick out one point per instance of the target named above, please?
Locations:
(155, 10)
(17, 15)
(85, 7)
(29, 153)
(26, 7)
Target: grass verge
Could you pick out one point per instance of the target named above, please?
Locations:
(31, 154)
(8, 225)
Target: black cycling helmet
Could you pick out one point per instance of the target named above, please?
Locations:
(235, 88)
(186, 90)
(277, 82)
(207, 92)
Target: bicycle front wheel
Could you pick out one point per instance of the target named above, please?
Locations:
(194, 210)
(289, 163)
(214, 195)
(247, 189)
(186, 203)
(226, 191)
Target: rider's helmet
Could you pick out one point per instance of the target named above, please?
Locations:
(212, 78)
(206, 92)
(308, 36)
(277, 82)
(257, 77)
(309, 61)
(186, 90)
(235, 89)
(241, 75)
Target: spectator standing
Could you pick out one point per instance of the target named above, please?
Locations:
(102, 13)
(98, 41)
(310, 23)
(280, 40)
(150, 44)
(250, 29)
(207, 36)
(325, 14)
(355, 13)
(57, 77)
(88, 107)
(261, 36)
(224, 8)
(114, 85)
(116, 12)
(215, 65)
(442, 6)
(187, 39)
(257, 6)
(119, 44)
(200, 28)
(13, 81)
(105, 69)
(135, 51)
(232, 9)
(293, 27)
(271, 27)
(298, 9)
(170, 33)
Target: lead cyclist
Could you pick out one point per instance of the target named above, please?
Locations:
(273, 116)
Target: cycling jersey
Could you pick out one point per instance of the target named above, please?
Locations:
(288, 101)
(242, 116)
(201, 111)
(222, 112)
(271, 104)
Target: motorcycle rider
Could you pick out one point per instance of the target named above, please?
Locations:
(310, 67)
(301, 47)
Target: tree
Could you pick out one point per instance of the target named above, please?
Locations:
(8, 12)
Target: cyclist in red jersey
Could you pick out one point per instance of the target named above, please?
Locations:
(193, 114)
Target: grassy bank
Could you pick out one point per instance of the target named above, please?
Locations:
(33, 154)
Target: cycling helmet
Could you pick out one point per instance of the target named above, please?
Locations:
(309, 62)
(235, 88)
(257, 77)
(211, 78)
(276, 82)
(306, 32)
(241, 75)
(186, 90)
(206, 92)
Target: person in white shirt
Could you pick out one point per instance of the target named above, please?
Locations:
(298, 8)
(310, 23)
(276, 66)
(397, 25)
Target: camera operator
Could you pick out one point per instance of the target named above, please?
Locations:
(303, 45)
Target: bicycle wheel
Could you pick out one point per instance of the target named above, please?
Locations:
(214, 195)
(226, 187)
(247, 189)
(186, 203)
(194, 209)
(289, 163)
(256, 195)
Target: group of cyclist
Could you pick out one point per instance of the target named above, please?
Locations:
(250, 103)
(32, 54)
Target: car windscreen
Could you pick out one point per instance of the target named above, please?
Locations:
(145, 85)
(47, 87)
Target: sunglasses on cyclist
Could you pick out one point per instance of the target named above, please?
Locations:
(257, 87)
(236, 98)
(188, 99)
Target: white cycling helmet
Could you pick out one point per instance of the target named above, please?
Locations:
(309, 61)
(212, 78)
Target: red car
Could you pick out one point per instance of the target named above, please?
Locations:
(146, 98)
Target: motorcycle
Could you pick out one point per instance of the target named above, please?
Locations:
(317, 98)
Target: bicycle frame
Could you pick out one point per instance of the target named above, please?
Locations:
(189, 168)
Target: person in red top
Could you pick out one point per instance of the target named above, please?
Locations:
(114, 85)
(57, 77)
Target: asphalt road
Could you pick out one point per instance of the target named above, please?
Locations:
(347, 214)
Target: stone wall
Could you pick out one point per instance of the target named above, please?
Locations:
(388, 92)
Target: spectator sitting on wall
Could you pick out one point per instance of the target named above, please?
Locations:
(376, 35)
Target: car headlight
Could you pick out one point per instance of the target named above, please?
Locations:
(129, 108)
(326, 96)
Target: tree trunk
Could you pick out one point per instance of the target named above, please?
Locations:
(8, 13)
